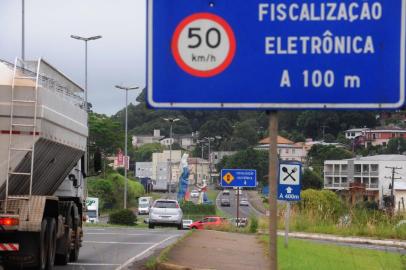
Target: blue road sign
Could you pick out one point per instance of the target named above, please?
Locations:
(289, 184)
(276, 54)
(238, 178)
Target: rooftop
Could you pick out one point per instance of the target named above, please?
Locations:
(281, 140)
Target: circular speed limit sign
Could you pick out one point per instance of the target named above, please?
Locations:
(203, 45)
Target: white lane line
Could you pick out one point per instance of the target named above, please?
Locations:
(94, 264)
(119, 243)
(87, 229)
(133, 259)
(130, 234)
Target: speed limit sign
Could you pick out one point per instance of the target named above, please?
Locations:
(203, 45)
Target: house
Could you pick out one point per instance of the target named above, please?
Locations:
(353, 133)
(186, 141)
(287, 150)
(381, 136)
(363, 178)
(139, 140)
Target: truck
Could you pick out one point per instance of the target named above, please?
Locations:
(92, 210)
(43, 141)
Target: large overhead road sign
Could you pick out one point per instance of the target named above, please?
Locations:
(238, 178)
(276, 54)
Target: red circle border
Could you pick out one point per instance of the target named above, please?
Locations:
(211, 72)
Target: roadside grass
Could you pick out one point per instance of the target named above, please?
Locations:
(153, 262)
(303, 255)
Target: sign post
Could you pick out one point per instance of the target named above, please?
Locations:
(289, 187)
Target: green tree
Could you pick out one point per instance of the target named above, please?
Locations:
(105, 133)
(319, 153)
(311, 179)
(144, 152)
(396, 146)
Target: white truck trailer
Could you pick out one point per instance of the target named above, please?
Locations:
(92, 210)
(43, 133)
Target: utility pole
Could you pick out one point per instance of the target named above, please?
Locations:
(272, 180)
(171, 121)
(393, 178)
(23, 30)
(126, 159)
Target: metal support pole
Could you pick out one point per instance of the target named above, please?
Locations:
(125, 150)
(170, 160)
(287, 217)
(23, 30)
(209, 162)
(238, 207)
(272, 175)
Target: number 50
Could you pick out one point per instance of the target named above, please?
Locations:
(212, 37)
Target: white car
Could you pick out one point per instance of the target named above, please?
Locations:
(244, 202)
(143, 208)
(165, 213)
(194, 194)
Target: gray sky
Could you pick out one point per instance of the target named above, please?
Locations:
(117, 58)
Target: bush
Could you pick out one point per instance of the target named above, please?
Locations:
(123, 217)
(189, 208)
(253, 224)
(324, 204)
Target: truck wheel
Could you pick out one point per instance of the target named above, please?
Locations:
(43, 246)
(51, 240)
(65, 242)
(74, 253)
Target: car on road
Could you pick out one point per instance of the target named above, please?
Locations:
(225, 202)
(186, 224)
(244, 202)
(194, 194)
(165, 213)
(226, 192)
(208, 222)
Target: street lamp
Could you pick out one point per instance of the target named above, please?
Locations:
(85, 40)
(171, 120)
(125, 142)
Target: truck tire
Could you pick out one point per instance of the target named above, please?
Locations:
(64, 243)
(43, 246)
(51, 240)
(74, 253)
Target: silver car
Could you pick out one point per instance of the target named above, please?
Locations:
(165, 213)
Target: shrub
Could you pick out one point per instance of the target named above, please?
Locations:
(123, 217)
(189, 208)
(253, 224)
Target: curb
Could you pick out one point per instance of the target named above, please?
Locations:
(343, 239)
(170, 266)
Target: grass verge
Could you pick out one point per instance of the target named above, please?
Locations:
(153, 262)
(303, 255)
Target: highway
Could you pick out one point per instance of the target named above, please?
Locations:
(245, 211)
(118, 248)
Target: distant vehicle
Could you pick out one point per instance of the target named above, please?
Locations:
(160, 185)
(241, 222)
(225, 202)
(92, 213)
(186, 224)
(165, 213)
(208, 222)
(238, 191)
(244, 202)
(144, 203)
(226, 192)
(194, 194)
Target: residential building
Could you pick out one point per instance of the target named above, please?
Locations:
(199, 170)
(287, 150)
(381, 136)
(139, 140)
(217, 156)
(164, 158)
(186, 141)
(400, 195)
(353, 133)
(369, 176)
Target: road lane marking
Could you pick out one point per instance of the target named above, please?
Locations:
(119, 243)
(94, 264)
(133, 259)
(131, 234)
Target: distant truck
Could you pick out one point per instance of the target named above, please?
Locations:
(144, 204)
(43, 138)
(92, 213)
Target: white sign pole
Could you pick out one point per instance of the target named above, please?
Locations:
(287, 217)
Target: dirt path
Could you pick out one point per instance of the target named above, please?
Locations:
(220, 250)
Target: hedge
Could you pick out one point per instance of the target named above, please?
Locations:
(189, 208)
(123, 217)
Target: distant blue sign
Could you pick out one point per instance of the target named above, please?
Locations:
(238, 178)
(289, 184)
(276, 54)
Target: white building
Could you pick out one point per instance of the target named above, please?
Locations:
(139, 140)
(373, 173)
(354, 133)
(287, 150)
(143, 170)
(198, 170)
(164, 157)
(400, 196)
(217, 156)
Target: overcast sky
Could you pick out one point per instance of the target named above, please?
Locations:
(117, 58)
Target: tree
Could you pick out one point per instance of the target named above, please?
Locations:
(105, 133)
(319, 153)
(311, 179)
(396, 146)
(144, 152)
(97, 160)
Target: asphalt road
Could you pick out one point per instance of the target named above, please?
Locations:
(117, 248)
(244, 211)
